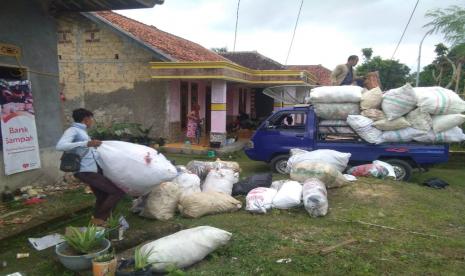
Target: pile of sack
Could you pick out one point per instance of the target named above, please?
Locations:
(311, 174)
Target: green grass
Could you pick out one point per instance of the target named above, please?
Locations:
(258, 241)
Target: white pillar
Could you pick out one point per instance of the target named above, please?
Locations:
(218, 111)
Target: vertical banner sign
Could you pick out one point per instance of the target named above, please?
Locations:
(19, 133)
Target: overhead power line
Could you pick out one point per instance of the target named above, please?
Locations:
(295, 28)
(405, 29)
(237, 20)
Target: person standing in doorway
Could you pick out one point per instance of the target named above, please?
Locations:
(344, 74)
(76, 139)
(193, 120)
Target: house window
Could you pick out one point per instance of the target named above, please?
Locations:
(64, 36)
(92, 35)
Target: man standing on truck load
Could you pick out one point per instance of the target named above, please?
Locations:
(344, 74)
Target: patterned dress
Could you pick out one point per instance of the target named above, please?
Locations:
(191, 127)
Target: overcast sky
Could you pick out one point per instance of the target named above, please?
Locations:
(327, 33)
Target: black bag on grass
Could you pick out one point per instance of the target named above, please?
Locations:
(257, 180)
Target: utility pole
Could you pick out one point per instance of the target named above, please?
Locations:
(419, 57)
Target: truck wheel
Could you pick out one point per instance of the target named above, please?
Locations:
(402, 169)
(279, 164)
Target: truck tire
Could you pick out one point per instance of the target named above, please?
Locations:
(402, 169)
(279, 164)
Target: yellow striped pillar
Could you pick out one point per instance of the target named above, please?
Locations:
(218, 112)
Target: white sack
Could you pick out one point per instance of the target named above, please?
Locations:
(395, 124)
(444, 122)
(162, 201)
(336, 111)
(374, 114)
(335, 158)
(196, 205)
(419, 119)
(277, 184)
(288, 196)
(453, 135)
(439, 101)
(325, 172)
(398, 102)
(336, 94)
(184, 248)
(389, 168)
(402, 135)
(372, 99)
(315, 197)
(260, 199)
(188, 182)
(364, 128)
(220, 180)
(127, 165)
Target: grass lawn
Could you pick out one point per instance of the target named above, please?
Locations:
(260, 240)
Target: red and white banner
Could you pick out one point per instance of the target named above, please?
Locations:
(19, 133)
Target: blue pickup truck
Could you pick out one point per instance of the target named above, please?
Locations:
(297, 127)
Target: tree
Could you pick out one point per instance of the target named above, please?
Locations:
(220, 50)
(450, 22)
(392, 73)
(442, 63)
(367, 53)
(457, 54)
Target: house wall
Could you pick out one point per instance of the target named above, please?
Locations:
(26, 24)
(108, 73)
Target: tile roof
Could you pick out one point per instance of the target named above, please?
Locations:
(253, 60)
(321, 73)
(178, 48)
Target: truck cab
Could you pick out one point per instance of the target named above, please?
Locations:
(297, 127)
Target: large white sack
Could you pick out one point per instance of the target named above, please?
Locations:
(364, 128)
(419, 119)
(334, 127)
(315, 197)
(398, 102)
(336, 94)
(188, 182)
(134, 168)
(389, 168)
(184, 248)
(438, 100)
(372, 99)
(277, 184)
(444, 122)
(401, 135)
(336, 111)
(202, 168)
(260, 199)
(220, 180)
(288, 196)
(325, 172)
(395, 124)
(335, 158)
(453, 135)
(162, 201)
(374, 114)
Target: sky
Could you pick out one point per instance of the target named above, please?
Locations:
(328, 31)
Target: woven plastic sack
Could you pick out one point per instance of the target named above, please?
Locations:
(288, 196)
(453, 135)
(439, 101)
(162, 201)
(374, 114)
(402, 135)
(184, 248)
(389, 168)
(335, 158)
(220, 180)
(260, 199)
(395, 124)
(188, 182)
(327, 173)
(372, 99)
(398, 102)
(420, 120)
(336, 111)
(315, 197)
(444, 122)
(369, 170)
(202, 168)
(207, 203)
(277, 184)
(336, 94)
(334, 127)
(134, 168)
(364, 128)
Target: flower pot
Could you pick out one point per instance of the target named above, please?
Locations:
(125, 265)
(104, 268)
(79, 262)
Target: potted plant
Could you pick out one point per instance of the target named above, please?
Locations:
(139, 266)
(114, 229)
(80, 247)
(104, 265)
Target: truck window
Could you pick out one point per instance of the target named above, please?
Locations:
(291, 120)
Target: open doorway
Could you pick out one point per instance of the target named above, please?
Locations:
(208, 101)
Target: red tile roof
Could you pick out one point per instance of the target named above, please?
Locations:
(321, 73)
(253, 60)
(179, 48)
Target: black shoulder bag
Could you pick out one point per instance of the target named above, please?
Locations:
(71, 162)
